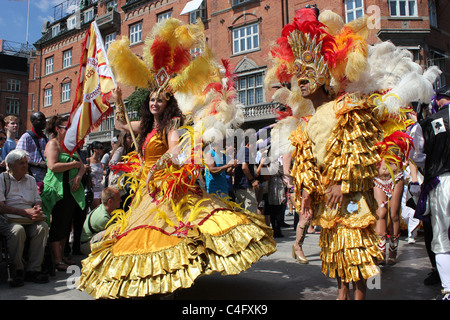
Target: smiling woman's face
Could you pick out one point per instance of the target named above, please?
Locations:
(157, 104)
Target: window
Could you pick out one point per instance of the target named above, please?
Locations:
(47, 97)
(109, 38)
(199, 13)
(13, 85)
(354, 9)
(112, 5)
(250, 89)
(49, 65)
(12, 106)
(246, 38)
(65, 92)
(88, 15)
(438, 59)
(432, 13)
(108, 123)
(55, 30)
(136, 33)
(71, 23)
(165, 15)
(238, 2)
(33, 102)
(67, 58)
(403, 8)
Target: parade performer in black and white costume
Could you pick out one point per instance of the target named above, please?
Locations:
(432, 155)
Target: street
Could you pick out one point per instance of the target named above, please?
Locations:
(277, 277)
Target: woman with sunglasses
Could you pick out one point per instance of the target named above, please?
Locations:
(63, 190)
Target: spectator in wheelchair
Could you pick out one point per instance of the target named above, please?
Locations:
(21, 219)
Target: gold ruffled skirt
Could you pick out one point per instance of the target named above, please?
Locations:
(348, 241)
(162, 248)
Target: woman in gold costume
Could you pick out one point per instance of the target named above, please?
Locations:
(174, 231)
(332, 76)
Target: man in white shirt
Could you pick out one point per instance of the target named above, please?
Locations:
(21, 217)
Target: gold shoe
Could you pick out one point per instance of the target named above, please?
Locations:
(302, 260)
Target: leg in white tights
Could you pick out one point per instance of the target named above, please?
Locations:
(443, 266)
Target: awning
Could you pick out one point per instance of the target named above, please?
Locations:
(191, 6)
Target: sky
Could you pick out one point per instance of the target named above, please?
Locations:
(13, 19)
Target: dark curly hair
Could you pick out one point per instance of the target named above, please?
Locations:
(170, 111)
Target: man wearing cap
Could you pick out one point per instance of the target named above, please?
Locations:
(432, 155)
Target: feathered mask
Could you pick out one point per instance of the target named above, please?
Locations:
(168, 64)
(304, 50)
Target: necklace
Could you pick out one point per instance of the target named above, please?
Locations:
(155, 125)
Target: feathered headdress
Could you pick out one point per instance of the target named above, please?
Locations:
(168, 64)
(304, 50)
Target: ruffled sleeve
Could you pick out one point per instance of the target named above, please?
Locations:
(305, 173)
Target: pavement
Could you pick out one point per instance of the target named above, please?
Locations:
(276, 277)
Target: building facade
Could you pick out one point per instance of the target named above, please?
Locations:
(241, 31)
(14, 87)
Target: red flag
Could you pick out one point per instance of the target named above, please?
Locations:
(95, 83)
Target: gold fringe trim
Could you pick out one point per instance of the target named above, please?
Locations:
(349, 253)
(105, 275)
(352, 155)
(305, 174)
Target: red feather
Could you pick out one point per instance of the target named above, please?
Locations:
(161, 52)
(181, 58)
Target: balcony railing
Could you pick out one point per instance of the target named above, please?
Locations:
(259, 112)
(111, 19)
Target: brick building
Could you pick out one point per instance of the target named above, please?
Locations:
(239, 30)
(14, 86)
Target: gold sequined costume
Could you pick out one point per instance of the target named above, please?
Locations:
(164, 242)
(367, 86)
(341, 150)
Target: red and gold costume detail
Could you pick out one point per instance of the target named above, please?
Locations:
(172, 236)
(174, 231)
(342, 142)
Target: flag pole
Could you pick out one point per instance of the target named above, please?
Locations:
(127, 119)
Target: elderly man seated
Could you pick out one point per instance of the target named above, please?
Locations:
(21, 218)
(95, 223)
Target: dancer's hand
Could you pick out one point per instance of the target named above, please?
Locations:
(334, 196)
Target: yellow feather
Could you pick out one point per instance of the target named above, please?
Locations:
(127, 67)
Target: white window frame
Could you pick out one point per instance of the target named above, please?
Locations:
(354, 8)
(111, 4)
(48, 93)
(13, 85)
(250, 89)
(88, 15)
(71, 23)
(407, 8)
(109, 38)
(108, 124)
(199, 13)
(164, 15)
(55, 30)
(48, 65)
(246, 35)
(136, 33)
(12, 106)
(65, 92)
(67, 58)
